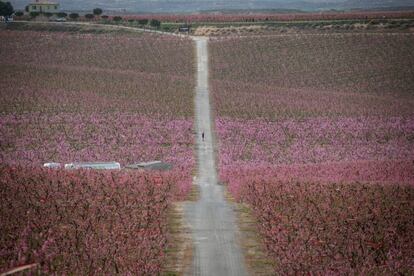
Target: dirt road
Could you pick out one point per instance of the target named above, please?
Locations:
(211, 219)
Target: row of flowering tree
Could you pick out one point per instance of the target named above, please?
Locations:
(315, 136)
(85, 221)
(91, 97)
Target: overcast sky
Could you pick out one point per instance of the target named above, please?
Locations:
(201, 5)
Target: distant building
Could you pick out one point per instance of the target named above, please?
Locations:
(184, 29)
(43, 6)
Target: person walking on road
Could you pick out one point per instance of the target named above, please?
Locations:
(202, 136)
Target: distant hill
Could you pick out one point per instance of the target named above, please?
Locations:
(185, 6)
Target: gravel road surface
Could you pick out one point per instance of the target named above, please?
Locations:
(211, 219)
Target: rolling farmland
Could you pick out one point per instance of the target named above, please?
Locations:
(72, 97)
(294, 76)
(316, 135)
(68, 97)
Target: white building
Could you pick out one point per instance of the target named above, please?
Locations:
(43, 6)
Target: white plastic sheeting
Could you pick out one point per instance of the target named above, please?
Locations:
(52, 165)
(93, 165)
(153, 165)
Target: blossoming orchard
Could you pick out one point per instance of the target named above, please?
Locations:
(79, 97)
(312, 132)
(316, 136)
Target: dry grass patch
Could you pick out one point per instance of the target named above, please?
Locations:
(256, 259)
(231, 30)
(180, 252)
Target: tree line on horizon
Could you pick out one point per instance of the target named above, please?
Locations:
(6, 9)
